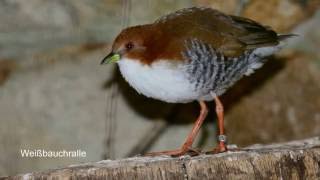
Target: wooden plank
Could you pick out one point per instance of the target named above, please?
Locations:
(292, 160)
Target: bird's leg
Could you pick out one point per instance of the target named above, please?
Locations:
(195, 130)
(222, 138)
(187, 146)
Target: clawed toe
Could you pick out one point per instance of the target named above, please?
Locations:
(219, 150)
(176, 153)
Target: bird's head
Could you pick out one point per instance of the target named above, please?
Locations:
(131, 43)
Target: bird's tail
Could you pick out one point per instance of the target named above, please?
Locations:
(267, 51)
(256, 63)
(283, 37)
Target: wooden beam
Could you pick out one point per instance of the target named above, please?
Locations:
(292, 160)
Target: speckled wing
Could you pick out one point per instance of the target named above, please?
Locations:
(230, 35)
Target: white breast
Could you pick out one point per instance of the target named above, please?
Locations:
(160, 80)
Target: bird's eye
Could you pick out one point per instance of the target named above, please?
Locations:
(129, 45)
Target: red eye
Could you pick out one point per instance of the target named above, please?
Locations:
(129, 45)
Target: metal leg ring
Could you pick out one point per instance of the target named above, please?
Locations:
(222, 138)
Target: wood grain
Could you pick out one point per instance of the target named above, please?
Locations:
(291, 160)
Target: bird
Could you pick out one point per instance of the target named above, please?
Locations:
(193, 54)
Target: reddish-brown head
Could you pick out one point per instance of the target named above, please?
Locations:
(145, 43)
(131, 40)
(133, 43)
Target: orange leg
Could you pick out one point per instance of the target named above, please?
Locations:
(222, 138)
(187, 146)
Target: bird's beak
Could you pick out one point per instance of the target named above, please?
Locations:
(111, 58)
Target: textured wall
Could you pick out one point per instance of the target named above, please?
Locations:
(55, 96)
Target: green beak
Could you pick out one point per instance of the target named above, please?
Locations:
(111, 58)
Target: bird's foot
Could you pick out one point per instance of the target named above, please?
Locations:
(176, 153)
(224, 148)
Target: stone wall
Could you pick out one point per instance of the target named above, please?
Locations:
(54, 95)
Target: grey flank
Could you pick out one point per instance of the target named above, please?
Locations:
(210, 71)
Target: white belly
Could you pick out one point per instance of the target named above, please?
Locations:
(159, 80)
